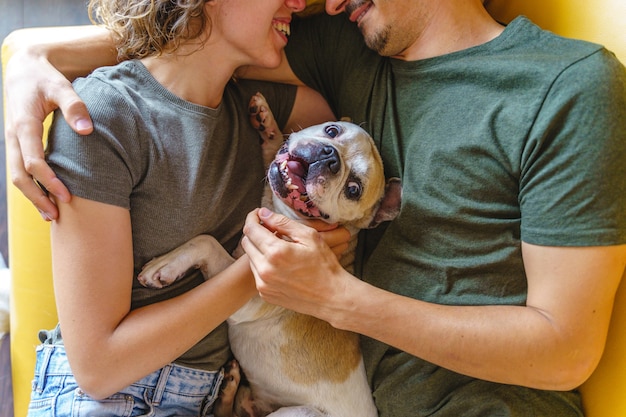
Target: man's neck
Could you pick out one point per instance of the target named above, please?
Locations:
(452, 29)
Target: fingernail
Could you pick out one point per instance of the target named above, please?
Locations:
(264, 212)
(83, 124)
(45, 216)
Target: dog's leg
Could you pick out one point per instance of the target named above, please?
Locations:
(235, 398)
(262, 119)
(225, 404)
(245, 405)
(202, 252)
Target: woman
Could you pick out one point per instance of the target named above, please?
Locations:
(171, 156)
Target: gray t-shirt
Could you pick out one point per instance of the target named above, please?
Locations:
(520, 139)
(180, 168)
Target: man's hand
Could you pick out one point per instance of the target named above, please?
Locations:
(34, 88)
(293, 264)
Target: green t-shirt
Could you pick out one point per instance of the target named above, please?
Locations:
(181, 169)
(520, 139)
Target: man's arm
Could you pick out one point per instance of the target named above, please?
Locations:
(553, 342)
(36, 82)
(309, 108)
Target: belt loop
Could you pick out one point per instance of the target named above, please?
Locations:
(161, 384)
(209, 400)
(217, 385)
(43, 367)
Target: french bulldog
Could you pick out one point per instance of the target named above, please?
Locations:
(293, 364)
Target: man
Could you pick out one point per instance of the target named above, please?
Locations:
(491, 293)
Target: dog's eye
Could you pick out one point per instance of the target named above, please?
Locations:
(332, 130)
(353, 190)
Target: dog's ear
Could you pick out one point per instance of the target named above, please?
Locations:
(389, 206)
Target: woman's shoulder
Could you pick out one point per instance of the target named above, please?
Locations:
(113, 94)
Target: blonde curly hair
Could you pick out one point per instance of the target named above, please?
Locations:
(144, 28)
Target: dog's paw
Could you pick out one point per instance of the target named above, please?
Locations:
(161, 273)
(232, 377)
(262, 119)
(203, 252)
(224, 405)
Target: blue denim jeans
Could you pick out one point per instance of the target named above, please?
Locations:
(171, 391)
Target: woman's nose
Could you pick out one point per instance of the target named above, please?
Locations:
(296, 5)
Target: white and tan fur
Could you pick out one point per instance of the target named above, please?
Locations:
(289, 359)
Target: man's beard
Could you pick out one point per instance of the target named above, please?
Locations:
(379, 41)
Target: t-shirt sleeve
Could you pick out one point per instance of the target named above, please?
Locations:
(573, 182)
(327, 53)
(97, 166)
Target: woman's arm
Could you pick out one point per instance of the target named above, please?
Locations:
(110, 347)
(36, 82)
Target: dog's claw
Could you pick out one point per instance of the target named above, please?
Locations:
(224, 406)
(262, 119)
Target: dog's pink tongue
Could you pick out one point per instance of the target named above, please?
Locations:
(296, 168)
(303, 205)
(297, 173)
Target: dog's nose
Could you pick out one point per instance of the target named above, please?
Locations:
(330, 158)
(318, 157)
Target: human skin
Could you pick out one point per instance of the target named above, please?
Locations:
(553, 342)
(109, 346)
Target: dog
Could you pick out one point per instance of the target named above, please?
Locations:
(293, 363)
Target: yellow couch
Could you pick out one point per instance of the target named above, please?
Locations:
(33, 305)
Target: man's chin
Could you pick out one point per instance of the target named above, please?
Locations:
(378, 42)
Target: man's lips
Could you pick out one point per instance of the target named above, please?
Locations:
(358, 14)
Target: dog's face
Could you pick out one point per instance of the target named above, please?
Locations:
(330, 171)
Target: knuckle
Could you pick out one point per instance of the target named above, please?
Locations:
(272, 254)
(281, 221)
(20, 180)
(58, 84)
(262, 290)
(74, 104)
(31, 164)
(35, 167)
(310, 233)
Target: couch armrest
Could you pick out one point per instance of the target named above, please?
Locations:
(32, 298)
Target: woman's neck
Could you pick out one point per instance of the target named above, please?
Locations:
(196, 77)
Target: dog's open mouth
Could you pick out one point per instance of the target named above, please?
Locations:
(287, 177)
